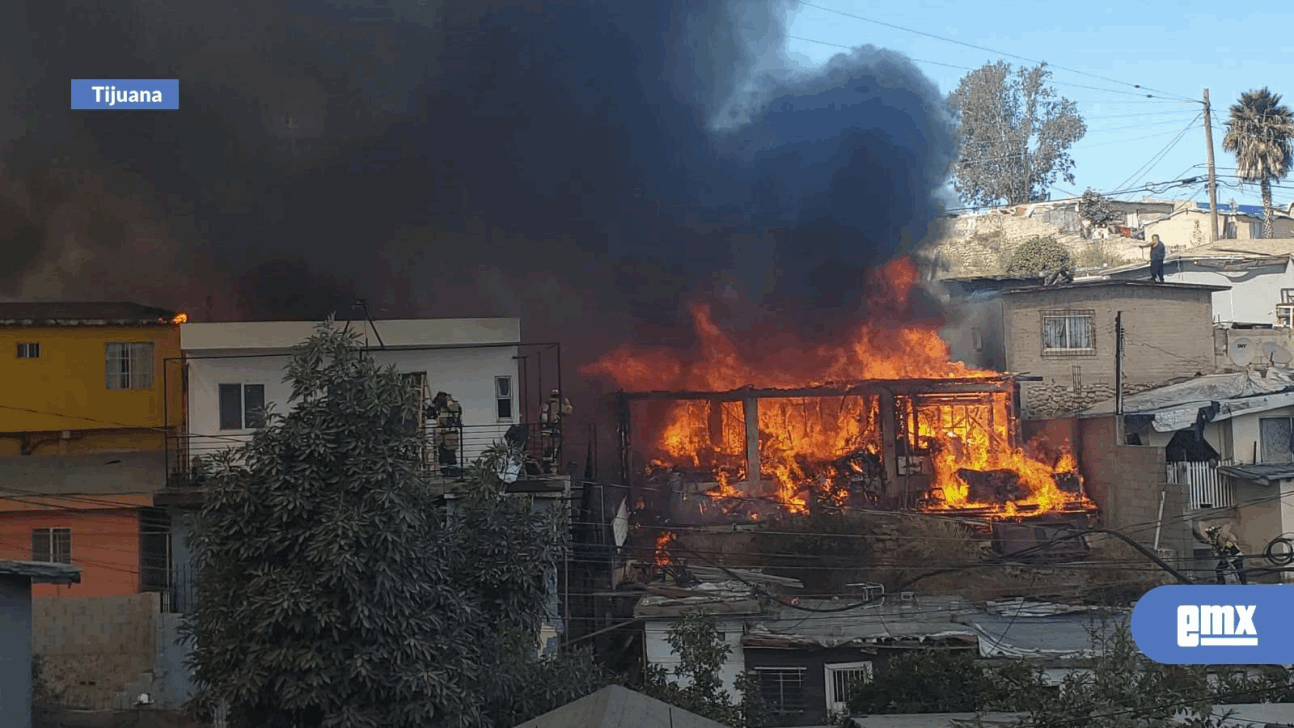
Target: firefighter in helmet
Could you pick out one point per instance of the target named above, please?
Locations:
(1228, 554)
(550, 416)
(449, 426)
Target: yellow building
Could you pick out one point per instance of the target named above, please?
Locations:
(83, 426)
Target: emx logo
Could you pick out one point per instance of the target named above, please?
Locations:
(1215, 626)
(1218, 625)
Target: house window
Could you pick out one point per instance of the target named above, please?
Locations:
(1256, 230)
(53, 545)
(129, 366)
(503, 397)
(1276, 434)
(242, 406)
(29, 351)
(977, 339)
(1287, 295)
(1229, 229)
(842, 679)
(782, 688)
(1068, 331)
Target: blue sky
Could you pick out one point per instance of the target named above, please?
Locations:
(1170, 47)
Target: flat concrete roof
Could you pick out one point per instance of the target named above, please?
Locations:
(1115, 283)
(393, 334)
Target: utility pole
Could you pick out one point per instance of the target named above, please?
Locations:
(1118, 378)
(1213, 179)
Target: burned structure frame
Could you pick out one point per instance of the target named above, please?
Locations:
(899, 403)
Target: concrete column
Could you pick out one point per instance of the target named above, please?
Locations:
(751, 409)
(889, 433)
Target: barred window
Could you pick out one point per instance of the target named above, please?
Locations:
(842, 679)
(29, 351)
(53, 545)
(129, 365)
(1068, 330)
(782, 688)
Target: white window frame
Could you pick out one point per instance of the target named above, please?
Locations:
(53, 554)
(1068, 317)
(242, 406)
(29, 350)
(499, 399)
(801, 671)
(139, 365)
(840, 703)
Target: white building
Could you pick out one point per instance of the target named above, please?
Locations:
(1259, 275)
(1240, 465)
(233, 370)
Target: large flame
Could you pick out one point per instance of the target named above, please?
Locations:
(180, 318)
(808, 444)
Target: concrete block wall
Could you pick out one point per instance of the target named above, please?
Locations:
(95, 647)
(1126, 482)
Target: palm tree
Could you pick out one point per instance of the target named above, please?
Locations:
(1259, 132)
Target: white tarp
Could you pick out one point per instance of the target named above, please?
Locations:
(1176, 406)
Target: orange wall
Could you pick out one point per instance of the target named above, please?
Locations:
(105, 544)
(65, 389)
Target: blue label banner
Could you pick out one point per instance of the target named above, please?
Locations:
(1216, 625)
(127, 94)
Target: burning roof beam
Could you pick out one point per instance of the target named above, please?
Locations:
(871, 387)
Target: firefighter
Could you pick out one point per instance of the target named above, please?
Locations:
(1228, 554)
(449, 425)
(550, 417)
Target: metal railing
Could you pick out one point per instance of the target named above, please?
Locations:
(445, 453)
(1205, 487)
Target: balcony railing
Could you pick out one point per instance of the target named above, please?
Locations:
(446, 455)
(1205, 487)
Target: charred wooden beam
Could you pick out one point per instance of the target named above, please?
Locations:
(868, 388)
(993, 486)
(889, 440)
(751, 409)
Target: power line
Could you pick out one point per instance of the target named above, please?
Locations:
(1162, 94)
(1145, 168)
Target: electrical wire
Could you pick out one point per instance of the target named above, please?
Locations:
(1154, 94)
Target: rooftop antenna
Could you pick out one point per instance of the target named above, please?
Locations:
(362, 305)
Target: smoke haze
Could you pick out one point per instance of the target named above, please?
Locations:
(593, 167)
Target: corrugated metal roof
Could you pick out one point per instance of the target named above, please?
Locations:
(82, 313)
(1115, 282)
(1268, 474)
(1061, 636)
(892, 619)
(615, 706)
(41, 572)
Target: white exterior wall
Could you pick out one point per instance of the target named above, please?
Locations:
(1252, 299)
(659, 652)
(466, 374)
(1246, 431)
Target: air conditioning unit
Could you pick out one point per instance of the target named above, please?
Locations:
(1285, 315)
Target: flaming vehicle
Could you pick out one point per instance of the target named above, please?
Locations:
(720, 440)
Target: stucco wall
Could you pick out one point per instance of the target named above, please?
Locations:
(94, 647)
(105, 545)
(15, 651)
(66, 385)
(467, 374)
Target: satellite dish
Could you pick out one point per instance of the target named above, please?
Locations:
(1276, 354)
(1241, 352)
(620, 524)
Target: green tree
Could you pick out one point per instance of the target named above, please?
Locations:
(1124, 689)
(1259, 133)
(1038, 255)
(702, 653)
(1015, 134)
(334, 589)
(945, 681)
(1097, 209)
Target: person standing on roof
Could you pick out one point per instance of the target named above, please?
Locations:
(1228, 554)
(1157, 254)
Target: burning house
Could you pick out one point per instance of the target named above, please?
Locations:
(885, 420)
(741, 455)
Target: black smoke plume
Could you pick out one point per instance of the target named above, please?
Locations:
(592, 166)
